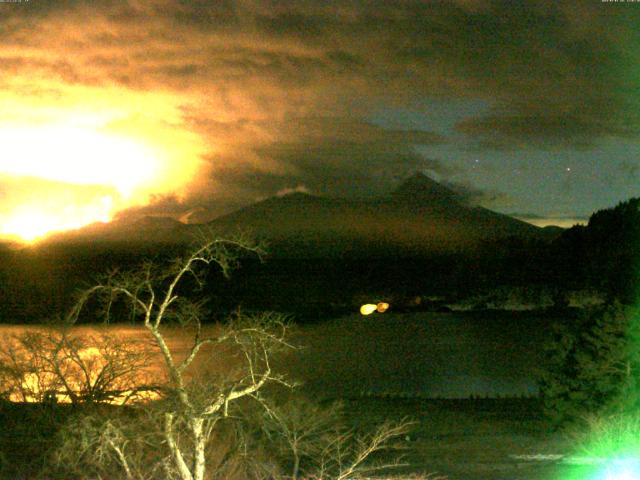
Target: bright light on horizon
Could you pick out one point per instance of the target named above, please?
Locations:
(561, 222)
(58, 175)
(79, 156)
(72, 155)
(62, 176)
(29, 223)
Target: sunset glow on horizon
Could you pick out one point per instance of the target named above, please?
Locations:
(67, 168)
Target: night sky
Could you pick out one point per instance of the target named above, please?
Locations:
(163, 106)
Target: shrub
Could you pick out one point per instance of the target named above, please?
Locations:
(291, 439)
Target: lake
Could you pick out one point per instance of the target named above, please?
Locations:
(430, 355)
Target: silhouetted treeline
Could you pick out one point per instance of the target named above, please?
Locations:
(604, 254)
(38, 283)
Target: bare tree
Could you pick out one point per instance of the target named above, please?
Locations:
(320, 446)
(346, 456)
(54, 364)
(102, 441)
(190, 412)
(220, 368)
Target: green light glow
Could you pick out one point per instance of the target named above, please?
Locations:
(608, 449)
(592, 468)
(620, 469)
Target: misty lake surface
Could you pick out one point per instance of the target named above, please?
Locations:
(446, 355)
(432, 355)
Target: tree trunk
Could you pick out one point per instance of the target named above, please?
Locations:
(199, 441)
(296, 465)
(183, 469)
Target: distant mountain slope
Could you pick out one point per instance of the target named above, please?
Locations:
(420, 189)
(147, 229)
(420, 215)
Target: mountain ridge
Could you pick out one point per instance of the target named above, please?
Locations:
(423, 187)
(419, 215)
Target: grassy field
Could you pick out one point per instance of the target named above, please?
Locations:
(454, 439)
(470, 439)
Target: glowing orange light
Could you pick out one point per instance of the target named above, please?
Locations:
(68, 157)
(368, 308)
(47, 164)
(78, 156)
(83, 154)
(382, 307)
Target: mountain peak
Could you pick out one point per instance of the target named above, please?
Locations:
(420, 186)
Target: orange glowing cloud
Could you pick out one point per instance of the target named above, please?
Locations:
(82, 158)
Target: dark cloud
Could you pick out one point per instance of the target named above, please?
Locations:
(165, 204)
(477, 196)
(518, 54)
(336, 156)
(543, 130)
(281, 90)
(344, 168)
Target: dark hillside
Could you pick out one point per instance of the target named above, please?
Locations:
(604, 254)
(421, 217)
